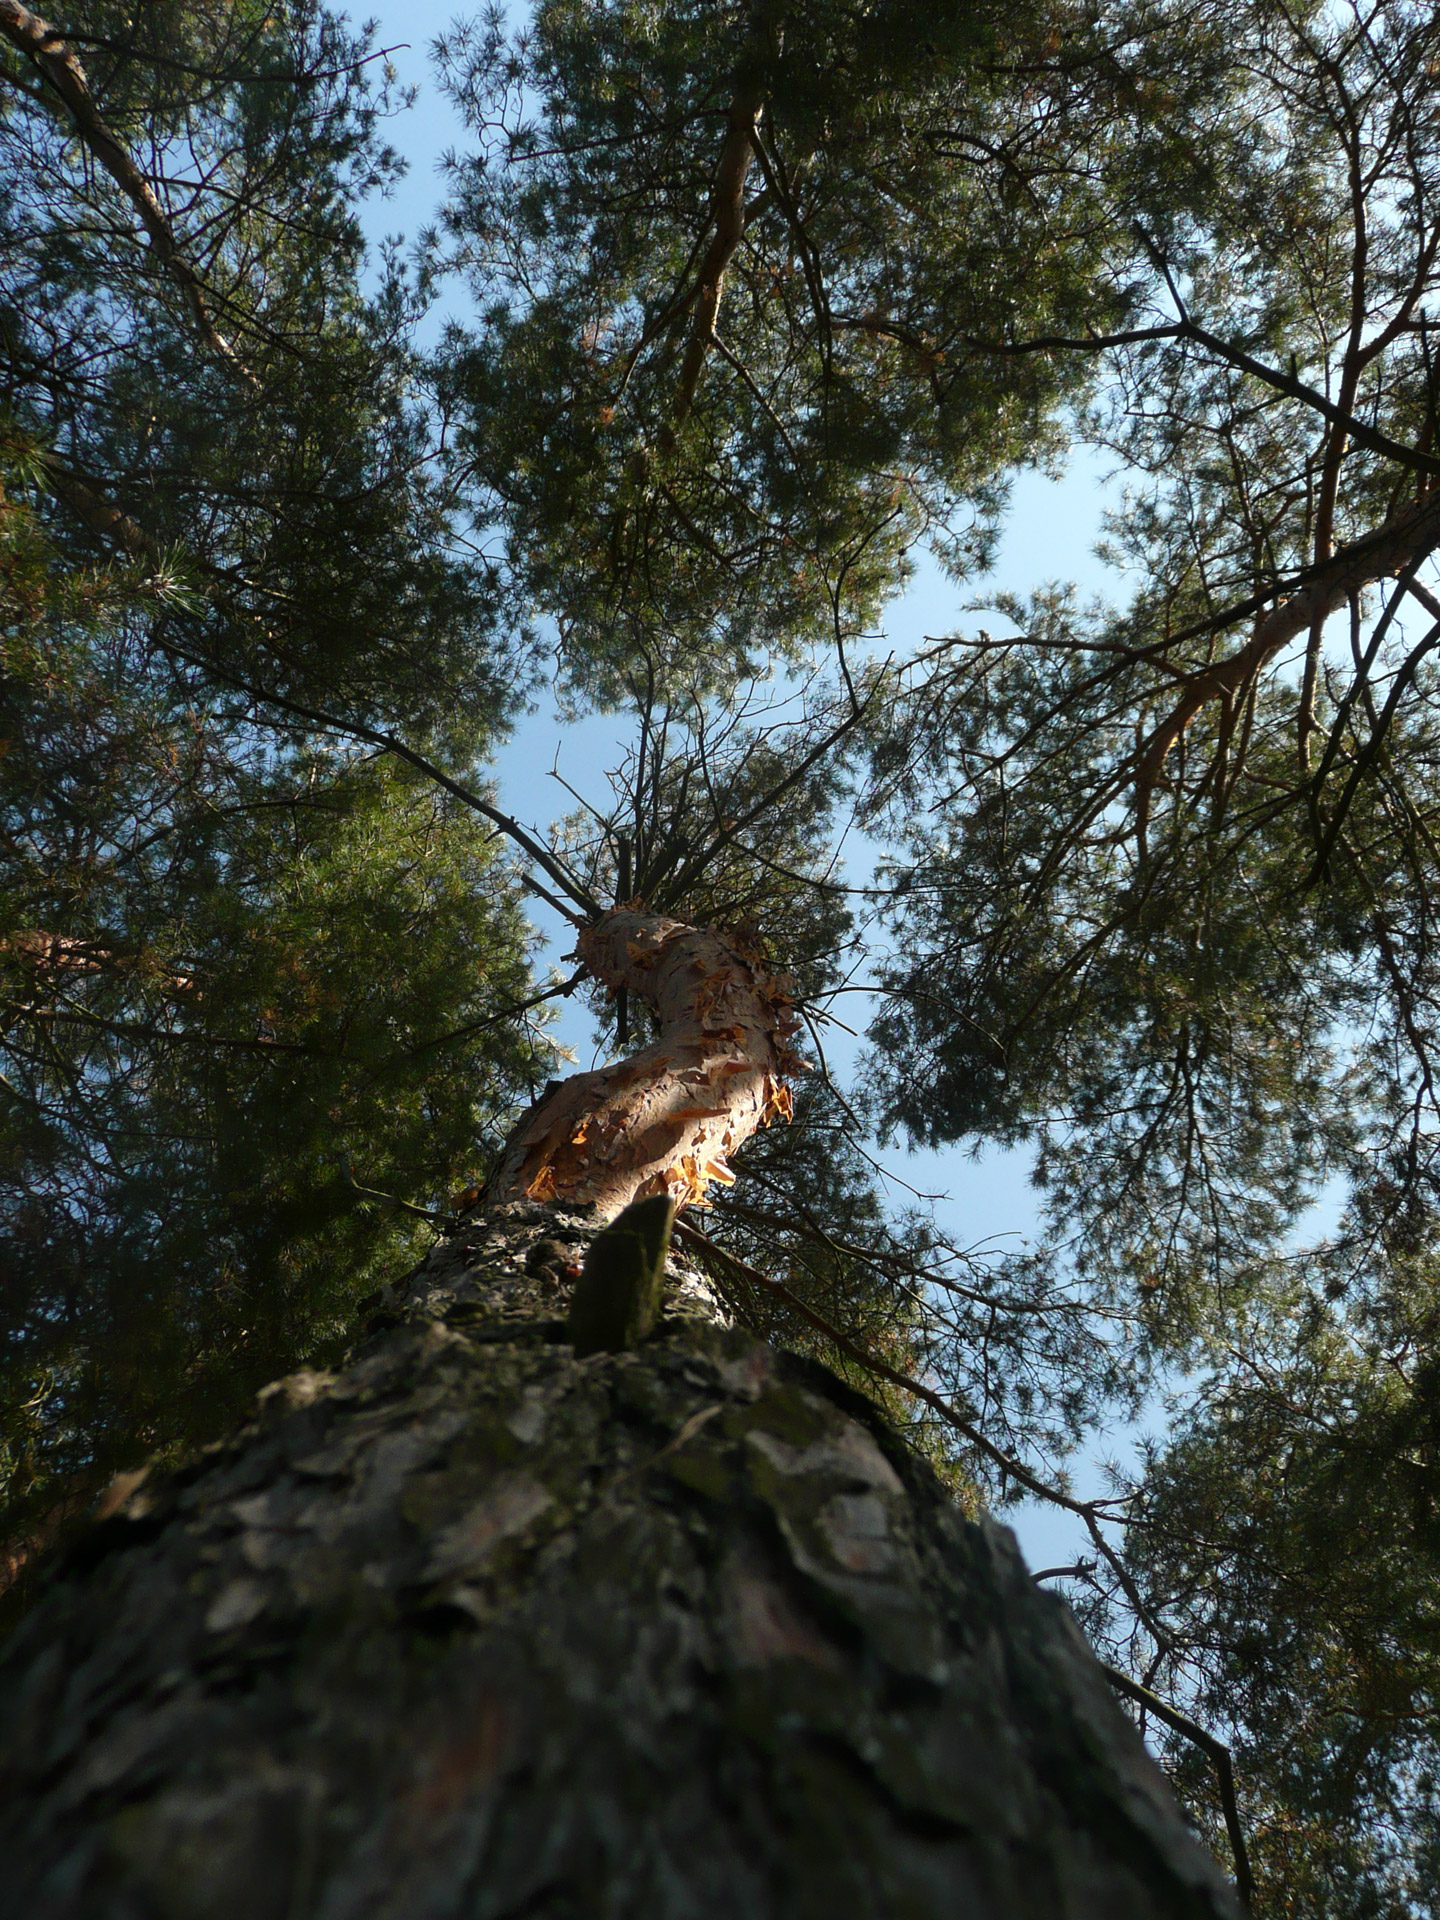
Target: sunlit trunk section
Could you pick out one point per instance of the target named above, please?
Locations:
(666, 1118)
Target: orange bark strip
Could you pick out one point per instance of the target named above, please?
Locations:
(715, 1073)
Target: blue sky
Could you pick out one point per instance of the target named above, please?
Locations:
(1050, 534)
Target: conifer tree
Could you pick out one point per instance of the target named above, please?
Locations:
(250, 969)
(763, 296)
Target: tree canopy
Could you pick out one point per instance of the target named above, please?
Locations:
(747, 304)
(249, 968)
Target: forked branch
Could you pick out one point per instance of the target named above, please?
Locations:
(1393, 547)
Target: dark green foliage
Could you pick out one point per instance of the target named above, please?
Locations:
(255, 985)
(1157, 894)
(846, 405)
(298, 997)
(284, 488)
(1289, 1530)
(1164, 907)
(1166, 860)
(1171, 1031)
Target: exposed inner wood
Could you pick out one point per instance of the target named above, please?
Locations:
(666, 1118)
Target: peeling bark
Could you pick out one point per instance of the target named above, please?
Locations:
(477, 1628)
(666, 1119)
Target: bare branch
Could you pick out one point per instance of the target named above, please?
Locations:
(1220, 1759)
(1186, 329)
(1392, 548)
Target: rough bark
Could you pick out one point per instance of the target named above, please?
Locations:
(478, 1628)
(727, 206)
(665, 1119)
(764, 37)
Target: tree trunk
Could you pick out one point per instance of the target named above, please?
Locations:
(665, 1119)
(485, 1627)
(479, 1628)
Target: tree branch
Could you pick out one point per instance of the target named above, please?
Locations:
(102, 516)
(1220, 1759)
(1280, 382)
(58, 65)
(388, 743)
(108, 522)
(727, 210)
(1389, 550)
(137, 1030)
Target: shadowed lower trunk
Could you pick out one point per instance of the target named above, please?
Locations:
(481, 1628)
(477, 1628)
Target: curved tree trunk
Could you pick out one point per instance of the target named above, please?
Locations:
(482, 1628)
(666, 1119)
